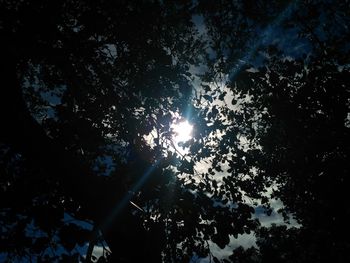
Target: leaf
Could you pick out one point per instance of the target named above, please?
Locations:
(208, 98)
(221, 240)
(72, 234)
(206, 88)
(40, 244)
(222, 96)
(215, 112)
(187, 167)
(102, 259)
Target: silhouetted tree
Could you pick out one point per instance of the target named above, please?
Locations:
(292, 110)
(90, 91)
(82, 81)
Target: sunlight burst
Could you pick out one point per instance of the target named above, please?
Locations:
(182, 131)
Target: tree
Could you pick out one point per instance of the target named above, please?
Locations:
(116, 68)
(91, 91)
(293, 112)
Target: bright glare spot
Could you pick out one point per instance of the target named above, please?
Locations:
(182, 131)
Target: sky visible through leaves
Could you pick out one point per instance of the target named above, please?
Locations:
(184, 131)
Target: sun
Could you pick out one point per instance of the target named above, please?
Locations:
(182, 131)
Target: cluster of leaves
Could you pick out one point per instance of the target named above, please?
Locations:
(101, 77)
(115, 70)
(292, 112)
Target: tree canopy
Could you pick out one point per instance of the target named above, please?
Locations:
(92, 91)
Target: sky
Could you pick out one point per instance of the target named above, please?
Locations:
(292, 46)
(272, 34)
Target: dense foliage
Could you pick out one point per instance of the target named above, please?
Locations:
(91, 91)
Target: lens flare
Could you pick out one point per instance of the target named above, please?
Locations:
(182, 131)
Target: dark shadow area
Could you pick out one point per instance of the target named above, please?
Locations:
(89, 159)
